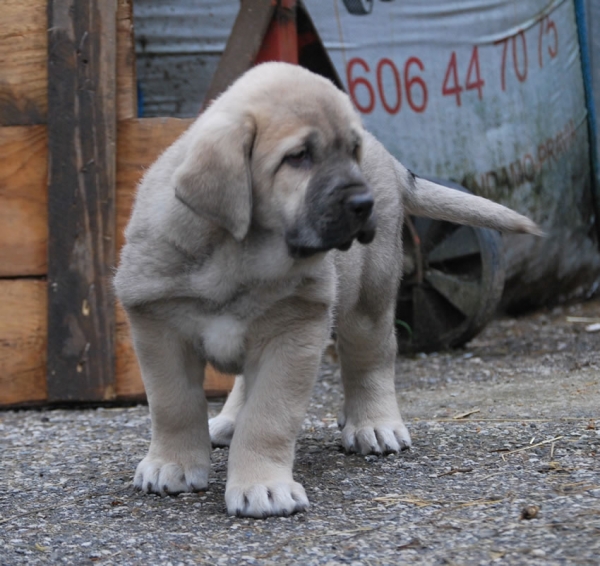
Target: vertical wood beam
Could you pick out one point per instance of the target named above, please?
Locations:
(81, 198)
(243, 45)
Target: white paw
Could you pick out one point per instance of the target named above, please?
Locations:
(376, 438)
(266, 500)
(221, 430)
(154, 475)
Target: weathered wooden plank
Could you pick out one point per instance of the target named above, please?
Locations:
(23, 190)
(23, 177)
(23, 201)
(81, 198)
(217, 384)
(128, 383)
(23, 332)
(23, 70)
(22, 341)
(23, 62)
(126, 75)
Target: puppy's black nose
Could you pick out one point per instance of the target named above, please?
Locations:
(360, 205)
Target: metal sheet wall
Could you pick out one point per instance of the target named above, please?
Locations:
(178, 46)
(488, 93)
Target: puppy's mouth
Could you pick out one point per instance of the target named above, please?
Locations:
(305, 242)
(367, 235)
(339, 209)
(364, 236)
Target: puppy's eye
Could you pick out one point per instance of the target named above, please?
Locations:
(298, 159)
(356, 152)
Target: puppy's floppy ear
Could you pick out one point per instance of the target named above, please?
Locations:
(214, 180)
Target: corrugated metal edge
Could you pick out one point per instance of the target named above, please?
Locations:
(584, 50)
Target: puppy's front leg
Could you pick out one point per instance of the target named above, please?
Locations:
(282, 363)
(179, 456)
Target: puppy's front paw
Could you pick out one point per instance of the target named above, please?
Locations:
(221, 430)
(265, 500)
(376, 438)
(155, 475)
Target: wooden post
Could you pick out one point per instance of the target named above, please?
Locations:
(81, 198)
(243, 45)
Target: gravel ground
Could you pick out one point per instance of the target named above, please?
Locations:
(505, 469)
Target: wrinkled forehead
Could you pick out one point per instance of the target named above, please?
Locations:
(323, 118)
(328, 127)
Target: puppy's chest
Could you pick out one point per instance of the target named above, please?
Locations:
(222, 340)
(219, 330)
(233, 292)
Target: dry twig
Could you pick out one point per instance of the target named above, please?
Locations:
(466, 414)
(455, 471)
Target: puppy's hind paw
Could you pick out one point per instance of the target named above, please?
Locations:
(221, 430)
(384, 438)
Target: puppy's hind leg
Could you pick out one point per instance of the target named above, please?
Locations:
(222, 426)
(371, 421)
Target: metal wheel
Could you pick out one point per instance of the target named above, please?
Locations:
(359, 7)
(453, 281)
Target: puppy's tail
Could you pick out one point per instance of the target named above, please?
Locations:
(431, 200)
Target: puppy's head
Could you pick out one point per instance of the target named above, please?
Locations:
(280, 150)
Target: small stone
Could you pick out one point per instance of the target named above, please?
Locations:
(530, 512)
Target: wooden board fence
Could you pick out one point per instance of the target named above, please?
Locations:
(27, 138)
